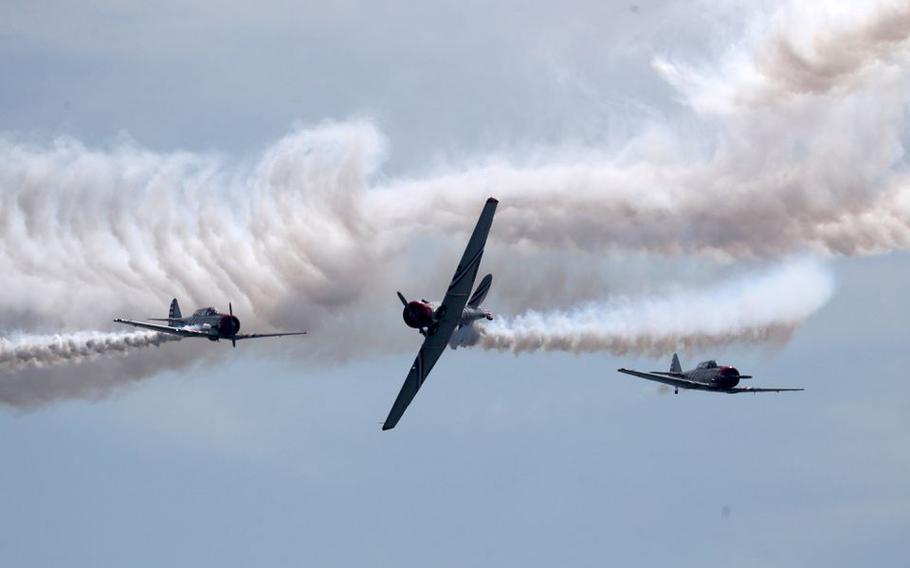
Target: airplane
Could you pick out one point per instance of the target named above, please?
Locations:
(205, 322)
(437, 323)
(707, 376)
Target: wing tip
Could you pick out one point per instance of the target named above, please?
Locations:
(387, 427)
(492, 200)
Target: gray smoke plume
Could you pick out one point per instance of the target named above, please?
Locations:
(38, 351)
(755, 308)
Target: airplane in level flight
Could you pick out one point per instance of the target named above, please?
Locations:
(707, 376)
(205, 322)
(437, 323)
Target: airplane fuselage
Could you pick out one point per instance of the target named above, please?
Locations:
(215, 324)
(424, 315)
(720, 378)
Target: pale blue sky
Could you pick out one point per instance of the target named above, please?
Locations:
(537, 460)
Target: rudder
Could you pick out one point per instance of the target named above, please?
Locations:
(675, 367)
(174, 314)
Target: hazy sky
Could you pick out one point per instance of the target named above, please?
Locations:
(272, 455)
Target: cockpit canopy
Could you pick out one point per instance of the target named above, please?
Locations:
(205, 312)
(712, 364)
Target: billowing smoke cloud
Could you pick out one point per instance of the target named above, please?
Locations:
(790, 142)
(802, 49)
(756, 307)
(128, 229)
(37, 351)
(795, 145)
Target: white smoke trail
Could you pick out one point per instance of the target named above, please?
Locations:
(756, 307)
(798, 147)
(39, 351)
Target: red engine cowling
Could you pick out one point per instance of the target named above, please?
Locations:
(729, 377)
(418, 314)
(228, 326)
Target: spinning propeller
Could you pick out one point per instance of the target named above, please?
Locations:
(233, 337)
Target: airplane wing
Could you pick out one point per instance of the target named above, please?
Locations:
(180, 331)
(463, 282)
(673, 381)
(755, 389)
(452, 308)
(429, 353)
(240, 336)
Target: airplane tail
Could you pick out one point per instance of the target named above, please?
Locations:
(481, 292)
(174, 314)
(675, 367)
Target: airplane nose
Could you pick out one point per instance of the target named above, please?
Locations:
(229, 325)
(417, 315)
(729, 372)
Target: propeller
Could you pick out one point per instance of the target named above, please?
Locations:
(233, 337)
(402, 298)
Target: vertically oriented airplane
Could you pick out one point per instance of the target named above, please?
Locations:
(438, 323)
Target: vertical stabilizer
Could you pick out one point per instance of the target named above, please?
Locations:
(481, 292)
(174, 316)
(675, 367)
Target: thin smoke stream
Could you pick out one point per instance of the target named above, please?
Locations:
(38, 351)
(766, 307)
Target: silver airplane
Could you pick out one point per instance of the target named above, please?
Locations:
(205, 322)
(437, 323)
(707, 376)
